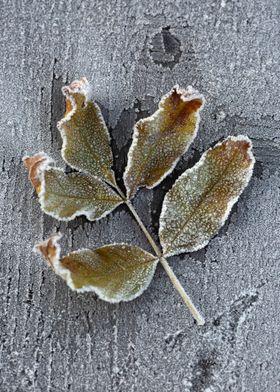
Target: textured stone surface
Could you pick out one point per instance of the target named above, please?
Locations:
(133, 52)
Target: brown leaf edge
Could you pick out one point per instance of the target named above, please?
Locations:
(36, 165)
(78, 93)
(50, 250)
(186, 95)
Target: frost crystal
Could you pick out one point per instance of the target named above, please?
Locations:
(160, 140)
(65, 196)
(86, 140)
(117, 272)
(202, 197)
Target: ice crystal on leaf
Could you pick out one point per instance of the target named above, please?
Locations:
(201, 199)
(160, 140)
(116, 272)
(193, 210)
(65, 196)
(86, 140)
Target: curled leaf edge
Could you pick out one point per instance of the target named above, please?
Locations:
(187, 95)
(84, 88)
(65, 273)
(48, 163)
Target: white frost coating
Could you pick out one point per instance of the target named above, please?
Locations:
(192, 94)
(84, 88)
(100, 293)
(46, 162)
(187, 95)
(47, 158)
(58, 268)
(66, 275)
(49, 163)
(232, 201)
(86, 212)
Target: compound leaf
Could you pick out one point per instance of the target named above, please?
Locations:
(86, 140)
(65, 196)
(160, 140)
(117, 272)
(201, 199)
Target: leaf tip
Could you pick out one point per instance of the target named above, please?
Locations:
(189, 95)
(35, 164)
(245, 146)
(49, 249)
(81, 86)
(77, 93)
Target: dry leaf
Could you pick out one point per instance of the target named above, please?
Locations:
(65, 196)
(86, 140)
(201, 199)
(160, 140)
(34, 165)
(117, 272)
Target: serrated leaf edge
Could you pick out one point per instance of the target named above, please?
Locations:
(231, 202)
(65, 274)
(188, 94)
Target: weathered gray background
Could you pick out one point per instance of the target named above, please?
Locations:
(133, 52)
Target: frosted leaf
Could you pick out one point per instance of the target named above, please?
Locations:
(65, 196)
(201, 199)
(117, 272)
(86, 140)
(34, 165)
(160, 140)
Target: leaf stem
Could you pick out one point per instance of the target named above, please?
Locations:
(139, 221)
(187, 300)
(143, 227)
(195, 313)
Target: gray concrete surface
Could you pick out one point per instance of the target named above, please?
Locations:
(133, 52)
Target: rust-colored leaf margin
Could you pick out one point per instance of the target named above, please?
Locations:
(161, 139)
(50, 250)
(35, 165)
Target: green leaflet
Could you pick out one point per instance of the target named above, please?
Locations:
(201, 199)
(65, 196)
(86, 140)
(117, 272)
(160, 140)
